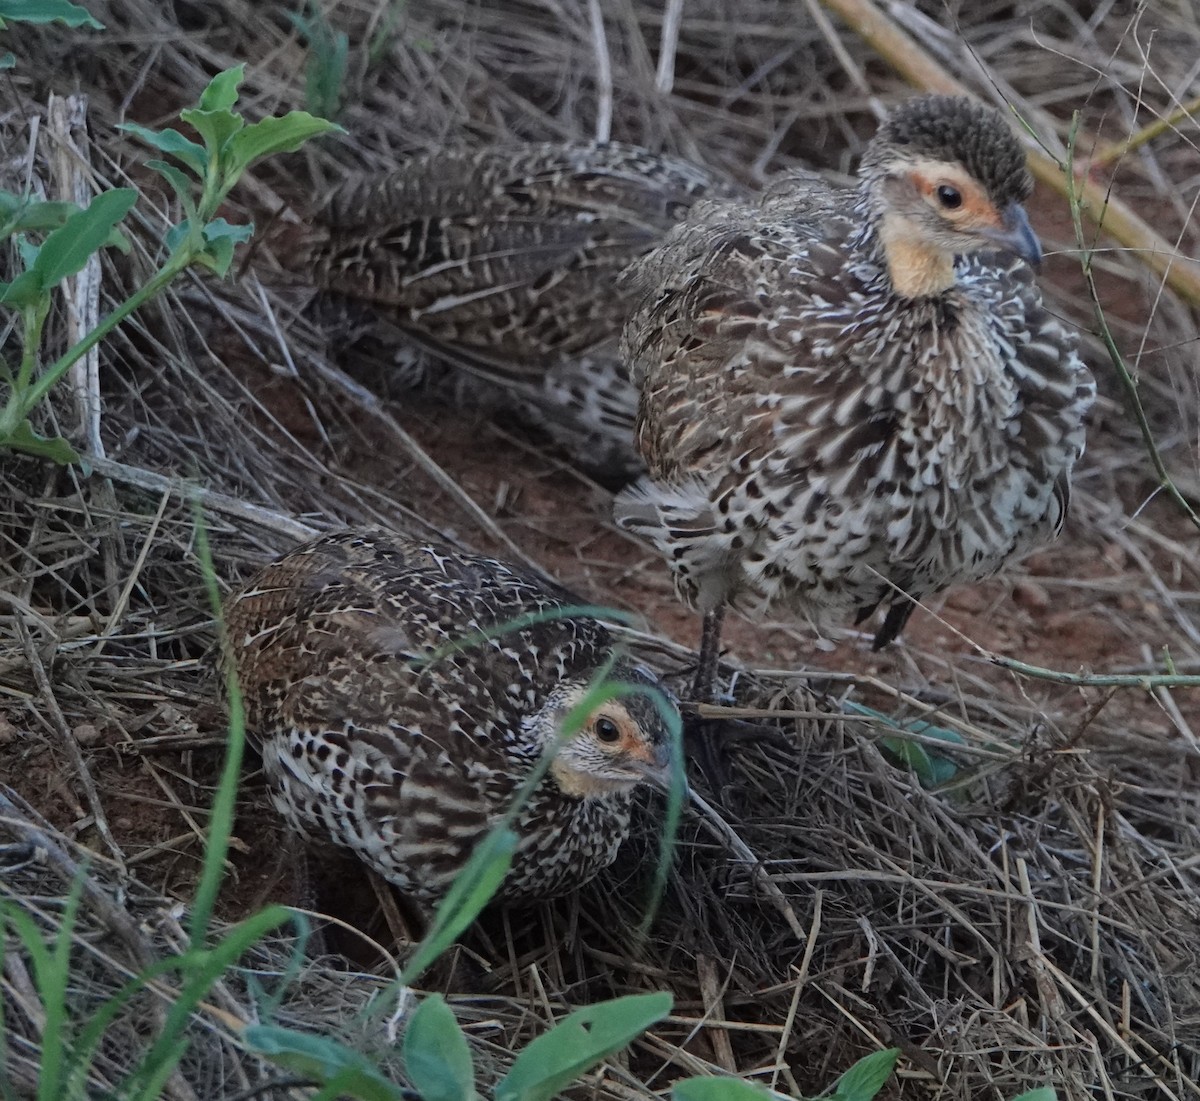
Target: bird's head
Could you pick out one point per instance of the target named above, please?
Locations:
(624, 741)
(946, 176)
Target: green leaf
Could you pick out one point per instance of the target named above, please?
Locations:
(577, 1043)
(215, 127)
(200, 970)
(24, 291)
(20, 213)
(180, 184)
(272, 135)
(7, 61)
(25, 438)
(323, 1059)
(219, 240)
(28, 251)
(470, 892)
(1042, 1093)
(68, 248)
(23, 213)
(222, 91)
(437, 1059)
(177, 235)
(48, 11)
(173, 143)
(720, 1089)
(931, 769)
(866, 1078)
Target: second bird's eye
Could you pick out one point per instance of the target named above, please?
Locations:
(949, 197)
(607, 730)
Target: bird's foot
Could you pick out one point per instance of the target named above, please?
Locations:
(707, 739)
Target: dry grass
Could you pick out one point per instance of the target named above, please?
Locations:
(1038, 923)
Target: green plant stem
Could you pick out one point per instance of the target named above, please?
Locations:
(221, 819)
(28, 400)
(1128, 382)
(1147, 681)
(33, 321)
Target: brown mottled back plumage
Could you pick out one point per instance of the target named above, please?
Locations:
(504, 262)
(401, 692)
(848, 396)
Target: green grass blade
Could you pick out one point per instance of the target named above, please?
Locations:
(51, 974)
(220, 825)
(201, 967)
(471, 891)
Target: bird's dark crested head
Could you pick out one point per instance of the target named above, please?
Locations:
(954, 129)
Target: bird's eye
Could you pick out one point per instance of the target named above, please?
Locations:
(607, 730)
(949, 197)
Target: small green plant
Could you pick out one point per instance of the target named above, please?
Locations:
(70, 235)
(860, 1083)
(69, 1046)
(931, 769)
(437, 1059)
(325, 75)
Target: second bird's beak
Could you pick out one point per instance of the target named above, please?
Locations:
(1016, 235)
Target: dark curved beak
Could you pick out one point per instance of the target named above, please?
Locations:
(1016, 235)
(655, 764)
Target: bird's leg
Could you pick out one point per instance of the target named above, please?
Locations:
(703, 687)
(305, 890)
(401, 929)
(711, 737)
(893, 623)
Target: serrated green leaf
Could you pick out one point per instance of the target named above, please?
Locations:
(48, 11)
(577, 1043)
(866, 1078)
(67, 249)
(173, 143)
(720, 1089)
(25, 438)
(1042, 1093)
(24, 291)
(215, 127)
(323, 1059)
(272, 135)
(437, 1058)
(219, 240)
(219, 230)
(222, 91)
